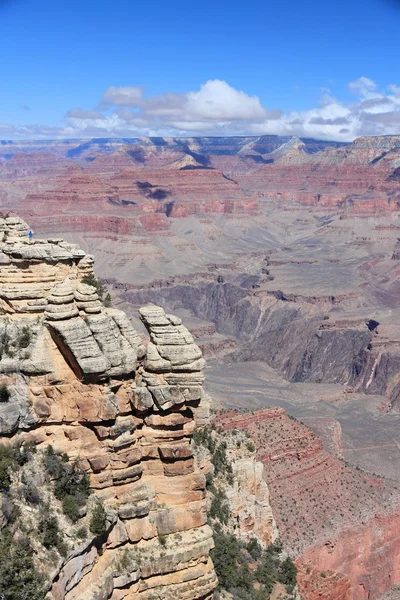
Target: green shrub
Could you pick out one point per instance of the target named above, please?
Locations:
(19, 579)
(82, 533)
(11, 513)
(73, 481)
(275, 548)
(204, 437)
(230, 566)
(220, 460)
(11, 458)
(219, 508)
(5, 393)
(70, 508)
(250, 446)
(62, 547)
(288, 572)
(71, 484)
(6, 463)
(5, 343)
(53, 462)
(126, 562)
(49, 530)
(91, 279)
(267, 572)
(254, 548)
(107, 300)
(209, 480)
(98, 521)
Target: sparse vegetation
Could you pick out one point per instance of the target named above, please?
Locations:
(126, 561)
(205, 437)
(254, 548)
(19, 578)
(219, 508)
(5, 345)
(31, 493)
(98, 521)
(82, 533)
(12, 342)
(91, 279)
(231, 561)
(250, 446)
(70, 508)
(71, 485)
(51, 536)
(11, 458)
(234, 559)
(107, 300)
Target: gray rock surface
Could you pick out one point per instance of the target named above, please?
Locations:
(171, 350)
(15, 413)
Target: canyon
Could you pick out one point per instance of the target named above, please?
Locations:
(281, 256)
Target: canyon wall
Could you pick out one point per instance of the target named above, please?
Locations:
(340, 522)
(179, 178)
(292, 336)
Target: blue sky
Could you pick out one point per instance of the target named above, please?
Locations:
(86, 68)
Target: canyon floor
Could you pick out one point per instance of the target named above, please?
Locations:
(365, 437)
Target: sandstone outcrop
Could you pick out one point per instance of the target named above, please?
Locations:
(78, 377)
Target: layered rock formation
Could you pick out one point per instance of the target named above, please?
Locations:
(341, 523)
(184, 177)
(78, 377)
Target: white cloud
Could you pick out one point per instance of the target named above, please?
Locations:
(217, 100)
(217, 108)
(363, 86)
(395, 89)
(123, 96)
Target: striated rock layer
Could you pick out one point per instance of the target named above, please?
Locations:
(80, 378)
(342, 523)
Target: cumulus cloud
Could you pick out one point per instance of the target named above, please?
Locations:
(217, 108)
(363, 86)
(216, 100)
(123, 96)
